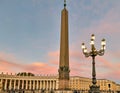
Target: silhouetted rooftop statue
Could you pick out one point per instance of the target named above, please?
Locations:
(25, 74)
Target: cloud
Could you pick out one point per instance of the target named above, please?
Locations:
(40, 68)
(7, 66)
(79, 66)
(35, 67)
(13, 66)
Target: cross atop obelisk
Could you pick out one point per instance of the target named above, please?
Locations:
(64, 3)
(64, 51)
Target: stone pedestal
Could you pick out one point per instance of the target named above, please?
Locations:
(94, 89)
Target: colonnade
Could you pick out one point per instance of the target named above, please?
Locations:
(17, 84)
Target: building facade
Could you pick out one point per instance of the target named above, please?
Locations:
(79, 83)
(118, 88)
(28, 82)
(107, 85)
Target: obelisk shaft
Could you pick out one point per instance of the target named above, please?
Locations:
(64, 52)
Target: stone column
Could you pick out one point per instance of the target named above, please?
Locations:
(53, 84)
(47, 85)
(14, 87)
(33, 84)
(40, 84)
(5, 87)
(43, 84)
(37, 84)
(26, 84)
(10, 84)
(50, 84)
(22, 84)
(30, 84)
(1, 80)
(18, 85)
(1, 84)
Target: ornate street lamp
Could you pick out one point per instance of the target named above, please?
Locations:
(93, 53)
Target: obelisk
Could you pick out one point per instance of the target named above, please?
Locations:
(64, 52)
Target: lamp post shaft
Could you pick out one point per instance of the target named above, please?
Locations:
(93, 71)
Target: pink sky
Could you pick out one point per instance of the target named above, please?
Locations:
(79, 65)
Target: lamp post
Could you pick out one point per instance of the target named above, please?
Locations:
(93, 53)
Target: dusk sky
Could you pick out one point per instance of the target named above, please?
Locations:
(30, 36)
